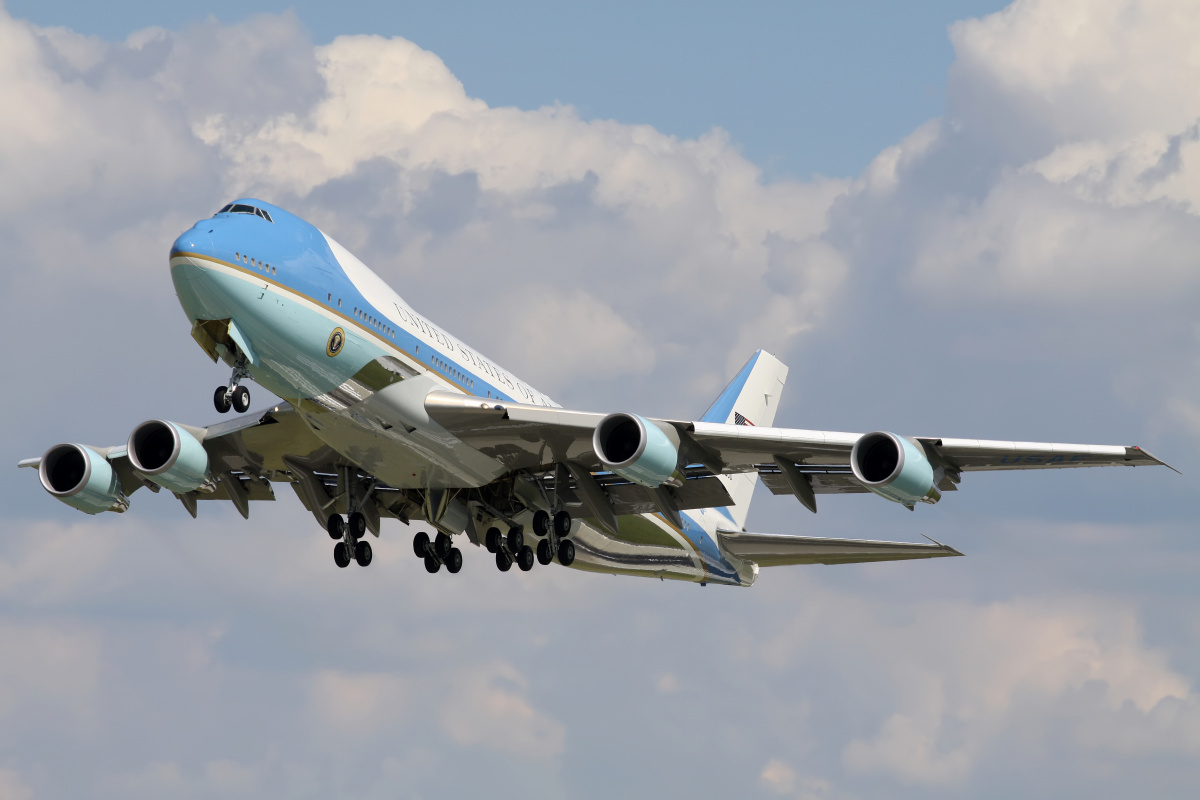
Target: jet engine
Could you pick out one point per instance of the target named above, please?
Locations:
(636, 449)
(894, 468)
(168, 455)
(81, 478)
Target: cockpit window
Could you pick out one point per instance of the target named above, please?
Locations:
(242, 208)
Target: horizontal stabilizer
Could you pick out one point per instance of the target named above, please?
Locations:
(775, 550)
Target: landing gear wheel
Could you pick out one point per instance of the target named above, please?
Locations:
(358, 524)
(421, 544)
(566, 552)
(516, 539)
(544, 554)
(362, 553)
(221, 399)
(503, 562)
(341, 555)
(442, 545)
(454, 560)
(492, 540)
(336, 526)
(525, 558)
(562, 524)
(541, 523)
(432, 564)
(241, 399)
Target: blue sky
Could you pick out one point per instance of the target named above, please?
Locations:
(947, 222)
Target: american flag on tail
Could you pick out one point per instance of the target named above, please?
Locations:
(738, 419)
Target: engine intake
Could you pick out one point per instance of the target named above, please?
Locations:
(170, 456)
(635, 449)
(81, 478)
(894, 468)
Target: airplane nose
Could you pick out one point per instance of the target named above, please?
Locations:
(193, 240)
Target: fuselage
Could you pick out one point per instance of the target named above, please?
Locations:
(324, 332)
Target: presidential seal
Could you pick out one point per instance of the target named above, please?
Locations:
(336, 340)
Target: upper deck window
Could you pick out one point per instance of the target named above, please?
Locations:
(242, 208)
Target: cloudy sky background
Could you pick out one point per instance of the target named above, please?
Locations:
(964, 221)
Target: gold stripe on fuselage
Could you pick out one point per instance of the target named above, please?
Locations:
(355, 322)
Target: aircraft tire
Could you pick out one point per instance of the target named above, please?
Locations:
(454, 560)
(420, 544)
(358, 524)
(442, 545)
(220, 400)
(241, 400)
(541, 523)
(432, 565)
(492, 540)
(566, 552)
(503, 562)
(516, 539)
(562, 524)
(336, 526)
(544, 553)
(341, 555)
(362, 553)
(525, 558)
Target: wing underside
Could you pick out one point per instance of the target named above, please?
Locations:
(774, 550)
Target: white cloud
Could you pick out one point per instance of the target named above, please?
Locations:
(12, 787)
(1078, 69)
(1064, 176)
(48, 666)
(358, 705)
(963, 675)
(487, 707)
(777, 777)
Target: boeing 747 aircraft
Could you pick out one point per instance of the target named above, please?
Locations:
(388, 415)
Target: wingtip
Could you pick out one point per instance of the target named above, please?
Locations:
(1155, 458)
(950, 551)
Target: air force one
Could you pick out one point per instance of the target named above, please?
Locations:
(388, 415)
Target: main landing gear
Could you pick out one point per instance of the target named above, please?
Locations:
(440, 551)
(234, 395)
(553, 533)
(351, 546)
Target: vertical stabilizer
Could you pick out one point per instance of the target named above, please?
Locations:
(751, 398)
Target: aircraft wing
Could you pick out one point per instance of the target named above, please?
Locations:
(245, 455)
(774, 550)
(526, 437)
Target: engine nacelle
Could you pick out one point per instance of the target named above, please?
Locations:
(635, 449)
(170, 456)
(894, 468)
(81, 478)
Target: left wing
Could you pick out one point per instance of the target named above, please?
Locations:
(801, 462)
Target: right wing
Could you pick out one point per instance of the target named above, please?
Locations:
(774, 550)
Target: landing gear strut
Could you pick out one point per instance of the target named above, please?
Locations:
(437, 552)
(509, 549)
(554, 531)
(234, 395)
(350, 546)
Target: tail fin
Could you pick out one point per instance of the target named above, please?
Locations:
(751, 398)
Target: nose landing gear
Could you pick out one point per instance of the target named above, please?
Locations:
(234, 395)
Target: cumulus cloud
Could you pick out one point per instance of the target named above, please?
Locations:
(219, 658)
(969, 674)
(488, 708)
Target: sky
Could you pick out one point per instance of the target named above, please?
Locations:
(967, 221)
